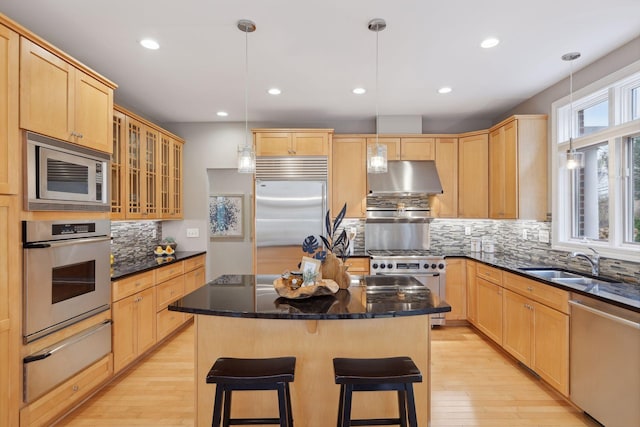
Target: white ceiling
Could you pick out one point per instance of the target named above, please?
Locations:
(317, 51)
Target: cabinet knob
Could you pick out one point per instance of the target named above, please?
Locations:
(75, 388)
(530, 289)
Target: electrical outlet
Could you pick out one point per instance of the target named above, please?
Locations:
(467, 230)
(543, 236)
(524, 234)
(193, 232)
(154, 233)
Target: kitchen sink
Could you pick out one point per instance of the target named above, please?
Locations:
(567, 278)
(551, 274)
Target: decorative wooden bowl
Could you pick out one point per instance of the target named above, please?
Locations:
(323, 287)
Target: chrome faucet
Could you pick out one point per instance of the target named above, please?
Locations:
(594, 260)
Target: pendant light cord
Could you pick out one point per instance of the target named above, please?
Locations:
(377, 95)
(246, 86)
(570, 105)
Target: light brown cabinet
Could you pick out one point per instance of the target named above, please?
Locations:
(349, 176)
(455, 289)
(9, 133)
(518, 152)
(472, 293)
(392, 144)
(473, 176)
(489, 301)
(292, 142)
(61, 101)
(134, 318)
(445, 205)
(357, 266)
(146, 171)
(417, 148)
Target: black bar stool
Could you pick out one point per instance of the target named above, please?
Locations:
(386, 374)
(231, 374)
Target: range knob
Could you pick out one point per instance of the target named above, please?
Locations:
(389, 266)
(426, 266)
(441, 266)
(375, 265)
(433, 266)
(383, 265)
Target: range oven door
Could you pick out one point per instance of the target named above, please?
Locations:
(65, 281)
(434, 283)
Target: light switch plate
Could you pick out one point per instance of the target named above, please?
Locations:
(193, 232)
(524, 234)
(543, 236)
(467, 230)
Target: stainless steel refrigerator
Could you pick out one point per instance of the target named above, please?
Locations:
(287, 211)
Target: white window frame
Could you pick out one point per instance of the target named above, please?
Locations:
(617, 88)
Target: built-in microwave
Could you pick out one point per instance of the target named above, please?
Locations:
(65, 177)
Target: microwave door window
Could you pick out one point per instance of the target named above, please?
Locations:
(65, 177)
(70, 281)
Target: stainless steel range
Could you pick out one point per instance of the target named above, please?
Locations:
(397, 242)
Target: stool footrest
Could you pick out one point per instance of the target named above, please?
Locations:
(253, 421)
(376, 422)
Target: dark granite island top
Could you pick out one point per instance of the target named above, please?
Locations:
(377, 316)
(255, 297)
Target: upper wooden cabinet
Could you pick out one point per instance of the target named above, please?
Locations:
(473, 176)
(292, 142)
(392, 144)
(146, 170)
(9, 132)
(417, 148)
(517, 154)
(61, 101)
(445, 205)
(349, 176)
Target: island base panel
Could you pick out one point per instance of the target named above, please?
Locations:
(314, 343)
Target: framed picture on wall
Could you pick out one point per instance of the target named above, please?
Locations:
(226, 216)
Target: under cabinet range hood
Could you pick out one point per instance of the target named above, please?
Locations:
(405, 177)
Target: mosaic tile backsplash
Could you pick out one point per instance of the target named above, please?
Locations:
(133, 240)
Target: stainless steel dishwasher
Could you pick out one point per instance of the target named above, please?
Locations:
(605, 361)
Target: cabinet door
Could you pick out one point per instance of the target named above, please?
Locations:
(175, 191)
(124, 332)
(518, 326)
(419, 148)
(118, 188)
(455, 289)
(164, 177)
(193, 280)
(46, 92)
(145, 320)
(392, 144)
(9, 134)
(135, 189)
(551, 347)
(503, 176)
(310, 144)
(490, 309)
(472, 293)
(349, 176)
(93, 109)
(151, 178)
(473, 177)
(273, 144)
(445, 205)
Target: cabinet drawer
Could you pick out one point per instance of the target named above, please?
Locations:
(169, 272)
(493, 275)
(538, 291)
(169, 291)
(53, 404)
(193, 263)
(358, 265)
(193, 280)
(168, 321)
(130, 285)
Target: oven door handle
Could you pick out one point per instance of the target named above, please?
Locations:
(69, 341)
(61, 243)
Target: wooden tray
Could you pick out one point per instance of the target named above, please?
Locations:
(323, 287)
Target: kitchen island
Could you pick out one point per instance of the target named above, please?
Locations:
(377, 316)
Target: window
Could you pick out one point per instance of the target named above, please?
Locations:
(599, 205)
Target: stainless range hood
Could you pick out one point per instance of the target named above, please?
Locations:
(406, 177)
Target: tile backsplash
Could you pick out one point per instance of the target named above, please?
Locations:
(133, 240)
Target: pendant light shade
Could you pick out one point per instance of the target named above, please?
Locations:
(246, 153)
(377, 154)
(573, 159)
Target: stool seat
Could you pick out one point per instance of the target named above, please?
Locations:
(376, 371)
(229, 370)
(235, 374)
(383, 374)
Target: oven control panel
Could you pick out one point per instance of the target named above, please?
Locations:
(391, 265)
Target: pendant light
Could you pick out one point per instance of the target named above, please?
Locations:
(246, 153)
(574, 159)
(377, 154)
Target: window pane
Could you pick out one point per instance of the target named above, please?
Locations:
(635, 103)
(633, 191)
(590, 198)
(593, 118)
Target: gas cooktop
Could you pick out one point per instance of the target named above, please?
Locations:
(404, 253)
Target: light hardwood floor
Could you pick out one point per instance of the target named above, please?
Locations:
(473, 384)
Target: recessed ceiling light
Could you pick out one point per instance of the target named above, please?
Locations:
(222, 114)
(489, 42)
(445, 89)
(274, 91)
(359, 91)
(150, 44)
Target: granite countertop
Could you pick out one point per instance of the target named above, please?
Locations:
(122, 269)
(250, 296)
(622, 294)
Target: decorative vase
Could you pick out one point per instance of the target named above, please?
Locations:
(333, 268)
